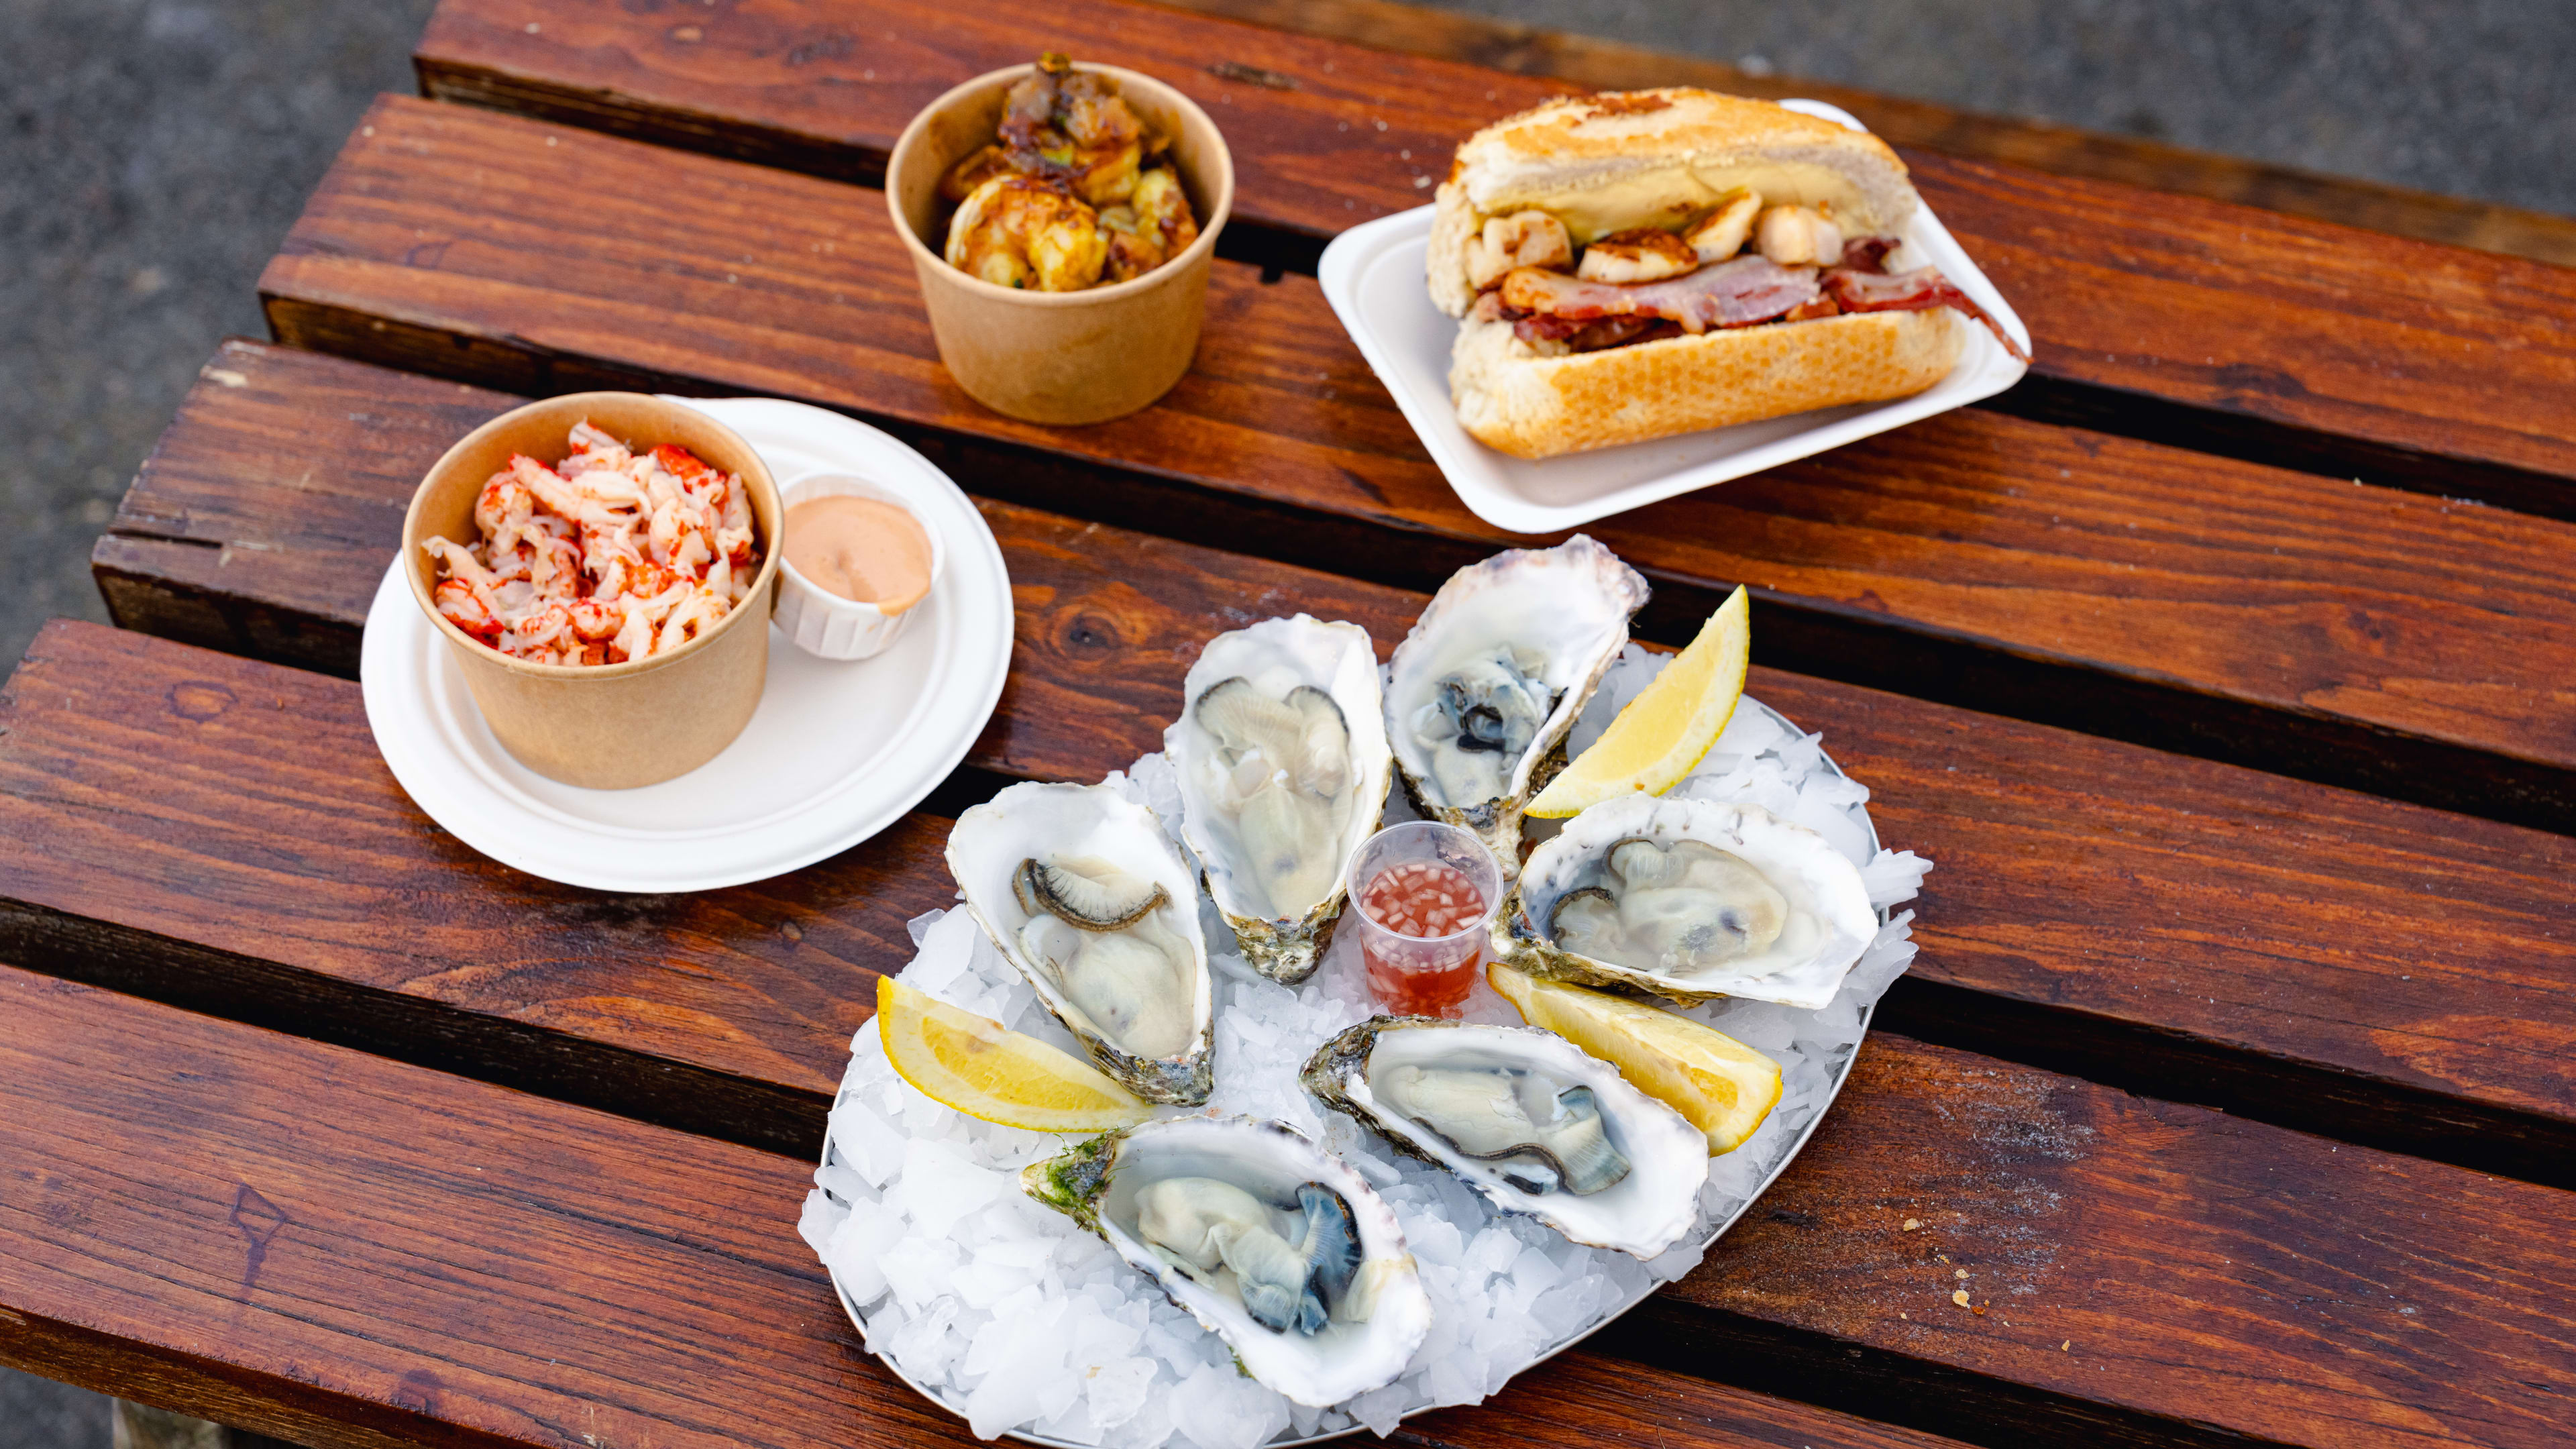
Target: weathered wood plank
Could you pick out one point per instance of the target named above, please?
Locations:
(2358, 635)
(2161, 316)
(346, 1251)
(2192, 930)
(2234, 1282)
(2225, 1279)
(2380, 973)
(2060, 150)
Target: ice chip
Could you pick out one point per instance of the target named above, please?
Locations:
(1117, 1390)
(1894, 877)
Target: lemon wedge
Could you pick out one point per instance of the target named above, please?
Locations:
(976, 1065)
(1722, 1086)
(1667, 729)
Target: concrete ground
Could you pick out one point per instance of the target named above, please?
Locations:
(152, 152)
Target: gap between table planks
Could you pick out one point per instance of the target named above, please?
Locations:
(2358, 635)
(2190, 930)
(435, 1261)
(2224, 1278)
(2161, 316)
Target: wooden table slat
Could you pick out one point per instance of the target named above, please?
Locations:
(2281, 339)
(2189, 929)
(2360, 635)
(434, 1261)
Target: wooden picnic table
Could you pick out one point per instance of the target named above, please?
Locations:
(2227, 667)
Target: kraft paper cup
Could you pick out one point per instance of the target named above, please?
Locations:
(1060, 357)
(608, 726)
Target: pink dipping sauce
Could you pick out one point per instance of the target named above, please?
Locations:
(1422, 900)
(863, 549)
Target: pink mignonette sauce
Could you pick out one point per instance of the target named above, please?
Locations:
(1422, 901)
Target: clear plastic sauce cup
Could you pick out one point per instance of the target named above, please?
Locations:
(1424, 893)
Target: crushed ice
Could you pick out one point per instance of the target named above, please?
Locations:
(1019, 1320)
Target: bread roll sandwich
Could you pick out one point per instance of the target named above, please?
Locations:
(1639, 264)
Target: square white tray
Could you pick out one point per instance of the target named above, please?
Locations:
(1373, 276)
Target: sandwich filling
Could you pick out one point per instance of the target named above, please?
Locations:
(1736, 264)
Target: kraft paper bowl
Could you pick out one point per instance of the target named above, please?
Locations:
(608, 726)
(1060, 357)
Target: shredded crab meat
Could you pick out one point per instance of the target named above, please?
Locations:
(607, 556)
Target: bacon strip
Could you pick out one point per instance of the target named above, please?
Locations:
(1731, 294)
(1919, 290)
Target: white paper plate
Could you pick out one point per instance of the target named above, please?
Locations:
(835, 753)
(1373, 276)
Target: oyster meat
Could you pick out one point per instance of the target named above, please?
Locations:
(1271, 1243)
(1690, 900)
(1282, 758)
(1530, 1120)
(1480, 695)
(1086, 897)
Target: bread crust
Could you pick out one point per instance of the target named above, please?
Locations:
(1530, 406)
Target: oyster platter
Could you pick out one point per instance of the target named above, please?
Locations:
(1139, 1151)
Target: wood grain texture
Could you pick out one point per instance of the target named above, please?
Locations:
(346, 1251)
(2217, 1281)
(1602, 64)
(2162, 316)
(2190, 929)
(2195, 930)
(2355, 634)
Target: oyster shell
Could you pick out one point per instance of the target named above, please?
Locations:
(1526, 1118)
(1690, 900)
(1086, 896)
(1282, 757)
(1480, 695)
(1270, 1242)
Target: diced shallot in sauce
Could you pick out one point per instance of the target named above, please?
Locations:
(1424, 899)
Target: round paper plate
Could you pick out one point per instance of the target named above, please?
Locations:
(835, 753)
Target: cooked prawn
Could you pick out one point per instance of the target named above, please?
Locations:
(1019, 231)
(1154, 228)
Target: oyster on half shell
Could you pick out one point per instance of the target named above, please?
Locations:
(1690, 900)
(1526, 1118)
(1087, 898)
(1270, 1242)
(1282, 758)
(1480, 695)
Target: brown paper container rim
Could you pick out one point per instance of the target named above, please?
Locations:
(415, 571)
(1089, 296)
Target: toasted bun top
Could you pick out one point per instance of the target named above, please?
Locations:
(1604, 163)
(1603, 159)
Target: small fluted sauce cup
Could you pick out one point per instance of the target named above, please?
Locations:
(821, 622)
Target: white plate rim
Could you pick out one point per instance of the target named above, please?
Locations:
(1797, 1145)
(1984, 370)
(402, 662)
